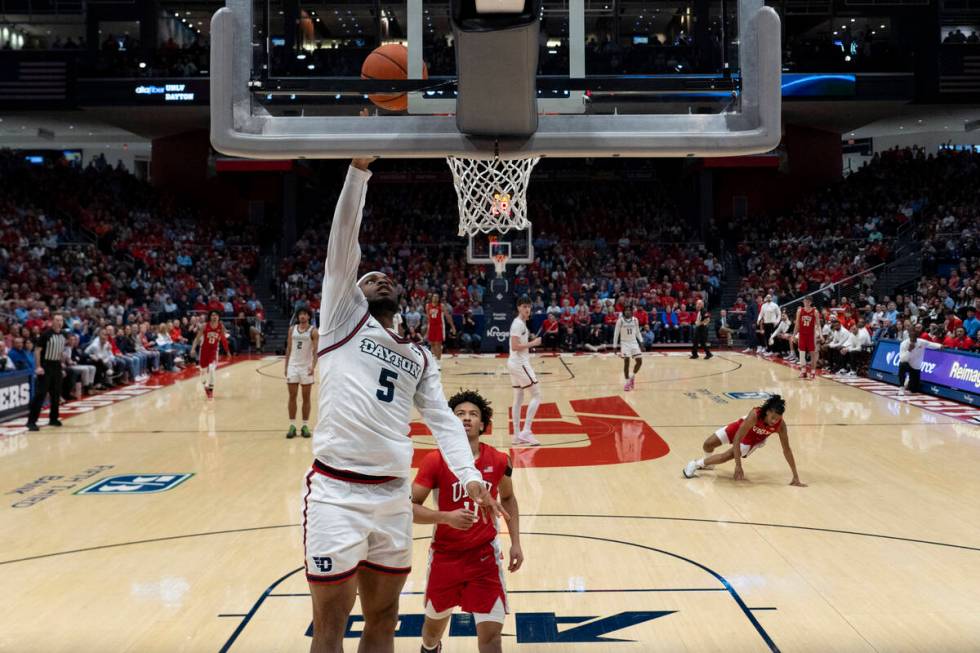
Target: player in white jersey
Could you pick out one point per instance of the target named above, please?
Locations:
(522, 375)
(627, 336)
(357, 512)
(301, 343)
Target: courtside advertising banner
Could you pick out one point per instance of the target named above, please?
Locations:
(951, 368)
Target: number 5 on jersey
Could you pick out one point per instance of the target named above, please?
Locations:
(387, 390)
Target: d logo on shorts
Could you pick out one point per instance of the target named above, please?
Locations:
(323, 564)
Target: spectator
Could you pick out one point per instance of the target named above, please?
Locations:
(724, 328)
(959, 340)
(6, 365)
(80, 376)
(835, 347)
(550, 332)
(20, 356)
(470, 336)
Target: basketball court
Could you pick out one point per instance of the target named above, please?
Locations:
(880, 552)
(155, 520)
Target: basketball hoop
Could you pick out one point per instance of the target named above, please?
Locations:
(500, 263)
(491, 193)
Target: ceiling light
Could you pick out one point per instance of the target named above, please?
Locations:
(852, 20)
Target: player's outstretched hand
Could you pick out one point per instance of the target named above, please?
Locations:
(489, 507)
(516, 558)
(461, 519)
(362, 164)
(739, 474)
(797, 483)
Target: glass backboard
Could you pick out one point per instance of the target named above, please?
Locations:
(614, 79)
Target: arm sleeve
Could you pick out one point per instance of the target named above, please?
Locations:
(619, 326)
(341, 302)
(932, 345)
(446, 427)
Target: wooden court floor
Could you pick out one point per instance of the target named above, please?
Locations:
(880, 553)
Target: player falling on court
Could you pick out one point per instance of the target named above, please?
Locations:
(437, 317)
(746, 435)
(627, 336)
(807, 330)
(207, 342)
(357, 509)
(301, 343)
(522, 377)
(465, 561)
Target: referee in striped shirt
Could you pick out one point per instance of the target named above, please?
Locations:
(49, 349)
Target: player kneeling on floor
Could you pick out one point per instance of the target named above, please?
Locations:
(465, 565)
(745, 435)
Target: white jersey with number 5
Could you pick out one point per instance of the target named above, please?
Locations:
(369, 377)
(519, 329)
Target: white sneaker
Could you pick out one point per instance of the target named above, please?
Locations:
(842, 372)
(526, 438)
(901, 391)
(747, 350)
(690, 469)
(759, 350)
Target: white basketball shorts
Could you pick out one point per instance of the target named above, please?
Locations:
(746, 449)
(521, 374)
(298, 375)
(352, 522)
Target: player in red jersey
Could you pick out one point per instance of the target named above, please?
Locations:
(207, 339)
(807, 332)
(745, 436)
(436, 313)
(465, 561)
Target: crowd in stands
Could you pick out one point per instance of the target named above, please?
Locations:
(594, 252)
(119, 55)
(851, 227)
(132, 271)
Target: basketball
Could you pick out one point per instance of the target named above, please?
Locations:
(389, 62)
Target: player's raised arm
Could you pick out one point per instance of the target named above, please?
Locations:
(341, 299)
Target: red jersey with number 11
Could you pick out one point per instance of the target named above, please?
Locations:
(451, 495)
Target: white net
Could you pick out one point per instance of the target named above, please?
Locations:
(492, 193)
